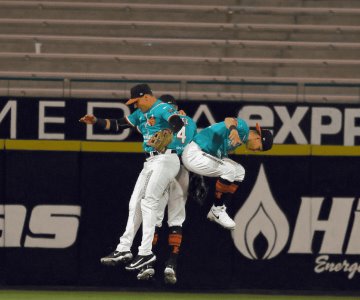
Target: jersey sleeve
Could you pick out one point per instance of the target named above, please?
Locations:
(133, 118)
(220, 129)
(167, 111)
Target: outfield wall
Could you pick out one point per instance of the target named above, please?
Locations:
(65, 201)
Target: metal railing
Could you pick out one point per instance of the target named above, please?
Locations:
(193, 88)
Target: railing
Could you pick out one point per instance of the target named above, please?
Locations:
(315, 90)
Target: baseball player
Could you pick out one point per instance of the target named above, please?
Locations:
(175, 199)
(207, 155)
(160, 168)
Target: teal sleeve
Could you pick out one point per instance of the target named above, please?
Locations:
(220, 129)
(167, 111)
(134, 118)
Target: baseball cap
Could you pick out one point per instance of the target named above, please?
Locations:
(138, 91)
(168, 99)
(266, 137)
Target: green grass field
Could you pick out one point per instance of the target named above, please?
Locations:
(89, 295)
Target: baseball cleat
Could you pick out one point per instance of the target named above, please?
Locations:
(116, 258)
(219, 215)
(140, 261)
(146, 273)
(170, 275)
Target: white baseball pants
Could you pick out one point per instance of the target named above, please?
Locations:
(175, 199)
(150, 187)
(202, 163)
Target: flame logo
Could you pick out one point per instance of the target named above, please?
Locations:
(260, 215)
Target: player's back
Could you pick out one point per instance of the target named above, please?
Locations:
(184, 136)
(215, 138)
(212, 138)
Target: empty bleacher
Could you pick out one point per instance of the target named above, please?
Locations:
(208, 50)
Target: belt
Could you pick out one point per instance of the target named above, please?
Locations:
(154, 153)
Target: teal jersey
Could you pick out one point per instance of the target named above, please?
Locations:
(184, 136)
(154, 120)
(215, 138)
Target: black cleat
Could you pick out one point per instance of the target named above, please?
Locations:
(116, 258)
(140, 261)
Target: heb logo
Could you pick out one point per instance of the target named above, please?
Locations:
(260, 215)
(50, 226)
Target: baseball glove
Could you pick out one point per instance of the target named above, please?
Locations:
(160, 140)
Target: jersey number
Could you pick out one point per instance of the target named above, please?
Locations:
(182, 134)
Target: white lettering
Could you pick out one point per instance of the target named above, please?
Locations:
(334, 228)
(290, 125)
(12, 107)
(12, 218)
(43, 119)
(323, 265)
(59, 222)
(354, 241)
(318, 128)
(90, 135)
(257, 114)
(350, 130)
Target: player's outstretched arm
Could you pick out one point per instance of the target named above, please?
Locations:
(113, 125)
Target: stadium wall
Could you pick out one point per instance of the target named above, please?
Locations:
(65, 193)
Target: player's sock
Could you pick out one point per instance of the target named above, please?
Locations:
(224, 190)
(175, 239)
(156, 236)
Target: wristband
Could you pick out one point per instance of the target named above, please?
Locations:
(232, 127)
(101, 123)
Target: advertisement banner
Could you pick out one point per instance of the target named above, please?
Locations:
(297, 225)
(295, 123)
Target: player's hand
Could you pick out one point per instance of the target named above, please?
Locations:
(234, 138)
(182, 113)
(88, 119)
